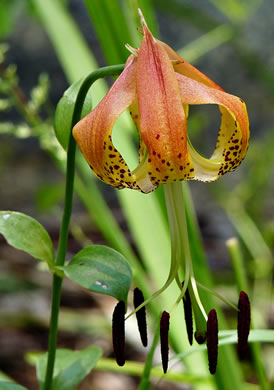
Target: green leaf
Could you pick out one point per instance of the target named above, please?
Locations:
(27, 234)
(64, 112)
(112, 31)
(71, 367)
(101, 269)
(11, 386)
(77, 60)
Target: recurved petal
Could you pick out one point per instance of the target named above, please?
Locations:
(93, 133)
(185, 68)
(233, 136)
(162, 118)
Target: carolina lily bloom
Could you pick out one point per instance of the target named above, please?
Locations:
(157, 86)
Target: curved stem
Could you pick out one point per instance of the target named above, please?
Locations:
(64, 230)
(60, 259)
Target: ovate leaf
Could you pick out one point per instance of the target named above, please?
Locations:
(27, 234)
(71, 367)
(64, 112)
(101, 269)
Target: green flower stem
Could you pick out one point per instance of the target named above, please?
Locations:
(64, 230)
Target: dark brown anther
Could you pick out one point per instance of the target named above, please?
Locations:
(164, 328)
(118, 333)
(244, 318)
(200, 337)
(138, 299)
(212, 340)
(188, 315)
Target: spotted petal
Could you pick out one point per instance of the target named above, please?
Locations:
(233, 136)
(93, 133)
(162, 117)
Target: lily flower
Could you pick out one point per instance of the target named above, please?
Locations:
(157, 86)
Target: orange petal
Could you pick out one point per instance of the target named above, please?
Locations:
(162, 118)
(93, 133)
(185, 68)
(233, 136)
(135, 115)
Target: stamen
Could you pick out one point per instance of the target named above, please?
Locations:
(212, 340)
(177, 62)
(200, 337)
(188, 315)
(164, 328)
(118, 333)
(244, 318)
(138, 299)
(140, 30)
(132, 50)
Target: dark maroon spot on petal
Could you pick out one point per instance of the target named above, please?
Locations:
(179, 155)
(157, 136)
